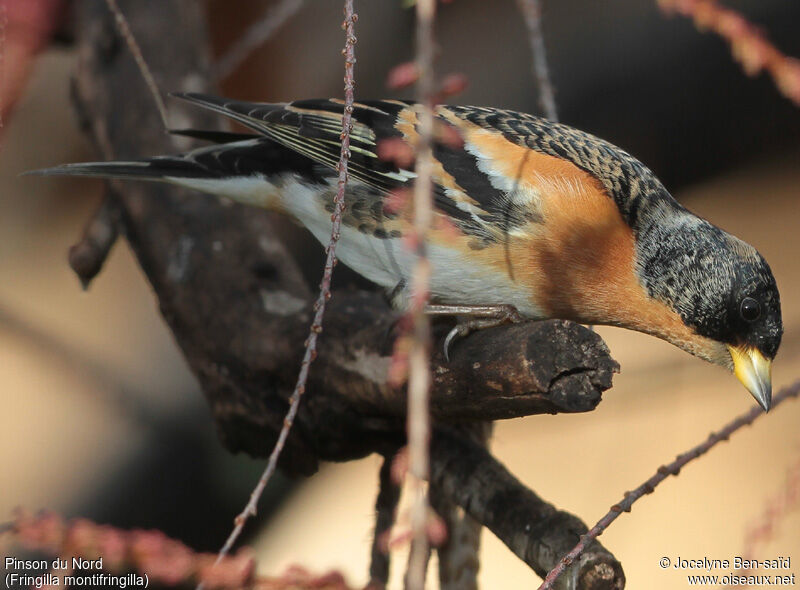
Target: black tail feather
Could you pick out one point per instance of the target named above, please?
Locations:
(248, 157)
(143, 170)
(213, 136)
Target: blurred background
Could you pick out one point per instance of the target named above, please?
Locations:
(102, 419)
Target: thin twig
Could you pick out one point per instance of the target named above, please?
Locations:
(748, 45)
(325, 285)
(255, 36)
(125, 30)
(414, 555)
(419, 363)
(532, 12)
(791, 391)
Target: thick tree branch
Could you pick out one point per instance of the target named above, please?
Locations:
(459, 561)
(533, 529)
(385, 510)
(237, 303)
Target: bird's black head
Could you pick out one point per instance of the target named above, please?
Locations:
(721, 287)
(754, 309)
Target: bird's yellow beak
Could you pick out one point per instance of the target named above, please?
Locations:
(754, 370)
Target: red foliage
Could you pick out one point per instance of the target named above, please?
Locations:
(164, 560)
(451, 85)
(748, 45)
(29, 24)
(402, 76)
(397, 151)
(298, 578)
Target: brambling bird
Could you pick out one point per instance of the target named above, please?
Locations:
(531, 214)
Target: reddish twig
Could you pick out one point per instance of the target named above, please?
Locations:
(325, 286)
(125, 30)
(749, 47)
(3, 26)
(791, 391)
(419, 362)
(413, 566)
(532, 12)
(256, 35)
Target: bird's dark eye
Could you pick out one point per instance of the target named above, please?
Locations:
(750, 309)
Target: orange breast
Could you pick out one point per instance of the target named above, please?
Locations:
(579, 263)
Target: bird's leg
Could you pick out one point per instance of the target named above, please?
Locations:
(473, 317)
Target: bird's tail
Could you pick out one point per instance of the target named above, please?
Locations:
(157, 169)
(241, 167)
(193, 164)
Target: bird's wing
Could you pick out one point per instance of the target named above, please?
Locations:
(622, 177)
(313, 128)
(466, 191)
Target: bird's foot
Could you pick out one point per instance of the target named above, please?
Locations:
(473, 317)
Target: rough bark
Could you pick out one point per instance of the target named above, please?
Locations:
(385, 511)
(536, 531)
(458, 555)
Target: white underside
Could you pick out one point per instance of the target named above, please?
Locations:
(455, 278)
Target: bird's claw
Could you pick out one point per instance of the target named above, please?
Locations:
(457, 330)
(479, 317)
